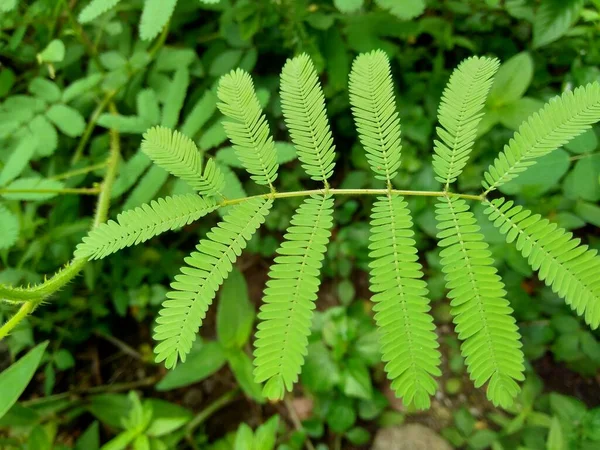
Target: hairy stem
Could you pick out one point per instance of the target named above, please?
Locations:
(35, 295)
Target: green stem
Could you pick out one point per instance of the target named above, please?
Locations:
(276, 195)
(33, 296)
(82, 171)
(81, 191)
(219, 403)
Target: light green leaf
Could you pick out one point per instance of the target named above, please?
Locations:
(45, 89)
(588, 212)
(166, 417)
(512, 115)
(553, 19)
(584, 143)
(348, 6)
(265, 436)
(9, 224)
(54, 52)
(18, 159)
(512, 80)
(175, 99)
(204, 360)
(403, 9)
(32, 189)
(235, 313)
(555, 436)
(15, 379)
(124, 124)
(67, 119)
(147, 106)
(241, 366)
(90, 439)
(155, 16)
(147, 188)
(202, 111)
(224, 62)
(46, 135)
(110, 409)
(583, 182)
(95, 8)
(7, 5)
(81, 87)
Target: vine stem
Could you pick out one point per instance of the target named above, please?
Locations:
(333, 191)
(79, 191)
(34, 296)
(219, 403)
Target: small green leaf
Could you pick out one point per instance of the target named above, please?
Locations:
(204, 360)
(176, 98)
(583, 181)
(9, 224)
(225, 62)
(358, 436)
(81, 87)
(588, 212)
(15, 379)
(18, 159)
(166, 417)
(90, 439)
(555, 440)
(46, 135)
(513, 114)
(32, 189)
(67, 119)
(319, 373)
(356, 380)
(405, 9)
(341, 415)
(512, 80)
(202, 111)
(242, 368)
(265, 436)
(45, 89)
(110, 409)
(244, 438)
(124, 124)
(348, 6)
(54, 52)
(553, 19)
(235, 313)
(586, 142)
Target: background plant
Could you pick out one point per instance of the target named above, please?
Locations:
(119, 299)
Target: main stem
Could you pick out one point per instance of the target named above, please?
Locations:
(406, 193)
(34, 296)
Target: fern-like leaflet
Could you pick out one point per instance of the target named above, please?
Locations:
(572, 270)
(374, 110)
(178, 154)
(196, 286)
(140, 224)
(96, 8)
(286, 314)
(459, 115)
(482, 315)
(303, 107)
(408, 342)
(248, 131)
(558, 122)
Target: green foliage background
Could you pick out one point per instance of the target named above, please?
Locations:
(62, 66)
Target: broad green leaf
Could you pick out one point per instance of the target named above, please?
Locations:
(124, 124)
(204, 360)
(166, 417)
(319, 373)
(40, 438)
(130, 172)
(147, 188)
(513, 114)
(46, 135)
(546, 175)
(512, 80)
(90, 439)
(67, 119)
(155, 16)
(202, 111)
(244, 438)
(18, 159)
(348, 6)
(45, 89)
(553, 19)
(588, 212)
(404, 9)
(242, 368)
(212, 137)
(172, 58)
(175, 99)
(225, 62)
(54, 52)
(356, 380)
(15, 379)
(121, 441)
(235, 313)
(81, 87)
(32, 189)
(148, 107)
(7, 5)
(341, 415)
(9, 224)
(583, 182)
(95, 8)
(568, 409)
(265, 436)
(584, 143)
(110, 409)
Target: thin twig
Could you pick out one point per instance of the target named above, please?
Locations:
(296, 421)
(78, 191)
(120, 345)
(219, 403)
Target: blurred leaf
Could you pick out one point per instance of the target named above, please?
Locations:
(54, 52)
(204, 360)
(90, 439)
(358, 436)
(556, 440)
(583, 182)
(405, 9)
(110, 409)
(124, 124)
(9, 224)
(235, 313)
(348, 6)
(15, 378)
(81, 87)
(202, 111)
(166, 417)
(47, 137)
(341, 415)
(45, 89)
(568, 409)
(553, 19)
(586, 142)
(265, 436)
(319, 373)
(155, 16)
(225, 62)
(356, 380)
(244, 438)
(175, 99)
(512, 115)
(588, 212)
(512, 80)
(32, 184)
(242, 369)
(67, 120)
(18, 159)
